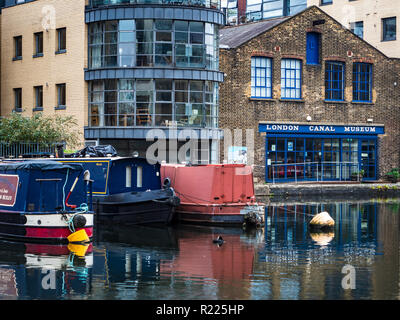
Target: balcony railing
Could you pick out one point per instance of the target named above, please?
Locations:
(27, 149)
(152, 120)
(316, 171)
(214, 4)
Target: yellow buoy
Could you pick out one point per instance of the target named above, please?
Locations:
(78, 237)
(78, 249)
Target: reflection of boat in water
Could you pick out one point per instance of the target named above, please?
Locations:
(42, 271)
(44, 201)
(139, 236)
(199, 256)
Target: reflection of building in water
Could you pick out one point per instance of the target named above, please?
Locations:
(301, 268)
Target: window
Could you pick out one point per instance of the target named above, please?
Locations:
(18, 99)
(334, 80)
(313, 47)
(38, 37)
(290, 79)
(61, 40)
(139, 177)
(389, 29)
(163, 42)
(261, 77)
(128, 177)
(357, 28)
(61, 95)
(326, 2)
(38, 98)
(17, 48)
(189, 48)
(362, 82)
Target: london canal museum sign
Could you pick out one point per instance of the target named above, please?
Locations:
(320, 129)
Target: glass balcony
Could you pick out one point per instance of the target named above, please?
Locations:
(153, 43)
(214, 4)
(153, 103)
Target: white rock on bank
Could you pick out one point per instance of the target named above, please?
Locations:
(322, 219)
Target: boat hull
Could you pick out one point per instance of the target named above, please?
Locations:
(153, 207)
(219, 215)
(39, 227)
(223, 194)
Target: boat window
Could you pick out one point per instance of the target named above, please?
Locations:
(128, 177)
(139, 177)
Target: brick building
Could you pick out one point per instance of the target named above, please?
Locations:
(322, 102)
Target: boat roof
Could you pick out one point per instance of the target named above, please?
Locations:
(43, 165)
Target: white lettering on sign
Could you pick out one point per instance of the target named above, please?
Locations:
(359, 129)
(282, 127)
(322, 128)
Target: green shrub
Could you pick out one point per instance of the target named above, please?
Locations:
(393, 175)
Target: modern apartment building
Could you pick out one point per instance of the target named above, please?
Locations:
(127, 69)
(373, 20)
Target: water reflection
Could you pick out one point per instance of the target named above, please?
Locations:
(282, 261)
(304, 265)
(35, 271)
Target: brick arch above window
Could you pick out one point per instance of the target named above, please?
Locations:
(293, 56)
(262, 54)
(363, 60)
(335, 58)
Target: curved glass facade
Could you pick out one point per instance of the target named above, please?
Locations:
(196, 3)
(153, 66)
(153, 43)
(160, 103)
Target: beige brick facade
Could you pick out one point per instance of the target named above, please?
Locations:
(45, 16)
(371, 13)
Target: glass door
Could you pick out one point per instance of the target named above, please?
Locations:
(368, 158)
(349, 157)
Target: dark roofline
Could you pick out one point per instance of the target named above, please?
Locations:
(284, 19)
(301, 12)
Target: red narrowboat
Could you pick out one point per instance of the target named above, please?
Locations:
(215, 194)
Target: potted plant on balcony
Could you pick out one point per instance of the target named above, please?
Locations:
(393, 175)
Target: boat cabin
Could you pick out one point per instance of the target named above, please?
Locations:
(40, 186)
(132, 174)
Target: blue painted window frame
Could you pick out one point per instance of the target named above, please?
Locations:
(362, 82)
(334, 80)
(261, 77)
(291, 79)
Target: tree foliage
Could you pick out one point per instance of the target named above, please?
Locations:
(39, 129)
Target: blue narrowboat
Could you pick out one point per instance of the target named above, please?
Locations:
(45, 201)
(128, 190)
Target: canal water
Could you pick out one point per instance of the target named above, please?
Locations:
(358, 260)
